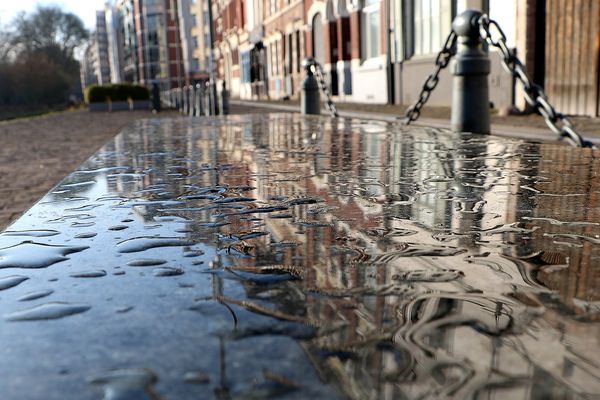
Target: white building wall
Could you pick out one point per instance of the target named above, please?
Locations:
(369, 81)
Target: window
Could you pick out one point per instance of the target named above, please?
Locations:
(246, 78)
(289, 55)
(298, 53)
(432, 24)
(370, 30)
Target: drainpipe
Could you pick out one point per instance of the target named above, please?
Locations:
(388, 46)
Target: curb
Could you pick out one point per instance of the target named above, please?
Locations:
(518, 132)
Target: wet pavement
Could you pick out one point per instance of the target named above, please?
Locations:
(281, 256)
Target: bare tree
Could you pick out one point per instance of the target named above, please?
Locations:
(38, 70)
(49, 28)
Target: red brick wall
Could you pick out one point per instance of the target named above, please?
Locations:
(355, 34)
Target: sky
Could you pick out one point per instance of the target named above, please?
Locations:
(84, 9)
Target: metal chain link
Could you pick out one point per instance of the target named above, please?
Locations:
(441, 61)
(534, 94)
(318, 71)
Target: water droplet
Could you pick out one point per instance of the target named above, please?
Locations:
(312, 223)
(281, 216)
(11, 281)
(32, 233)
(167, 271)
(82, 224)
(196, 377)
(53, 310)
(130, 383)
(146, 262)
(86, 235)
(193, 253)
(36, 295)
(124, 309)
(88, 207)
(77, 184)
(35, 255)
(149, 242)
(444, 275)
(117, 227)
(89, 274)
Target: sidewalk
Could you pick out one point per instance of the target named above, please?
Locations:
(531, 126)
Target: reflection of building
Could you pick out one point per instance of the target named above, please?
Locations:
(567, 211)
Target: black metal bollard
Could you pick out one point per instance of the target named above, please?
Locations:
(156, 97)
(197, 102)
(191, 102)
(224, 99)
(470, 67)
(310, 97)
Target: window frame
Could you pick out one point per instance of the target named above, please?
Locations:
(366, 51)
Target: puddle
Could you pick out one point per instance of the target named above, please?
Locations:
(318, 258)
(138, 244)
(30, 254)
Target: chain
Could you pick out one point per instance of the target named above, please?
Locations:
(324, 88)
(441, 62)
(534, 94)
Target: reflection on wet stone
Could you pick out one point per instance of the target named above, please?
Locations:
(306, 257)
(124, 384)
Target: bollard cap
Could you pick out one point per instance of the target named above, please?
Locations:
(307, 63)
(466, 23)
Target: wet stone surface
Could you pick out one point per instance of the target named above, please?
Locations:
(275, 256)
